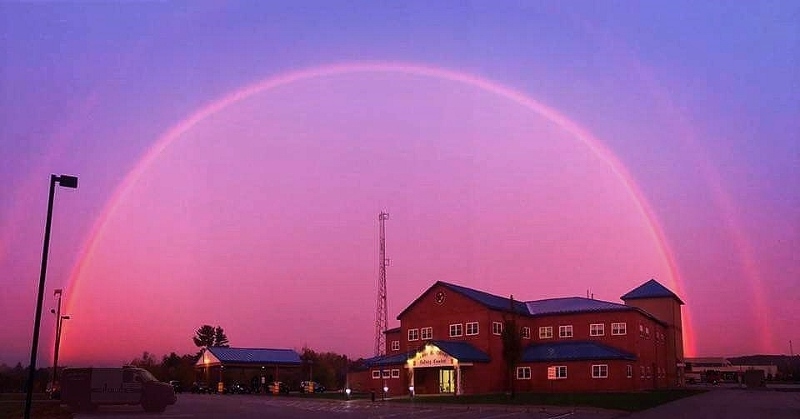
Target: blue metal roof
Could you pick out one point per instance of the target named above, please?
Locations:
(384, 360)
(572, 305)
(255, 355)
(573, 351)
(492, 301)
(462, 351)
(650, 289)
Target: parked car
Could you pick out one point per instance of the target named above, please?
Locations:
(201, 388)
(176, 385)
(306, 387)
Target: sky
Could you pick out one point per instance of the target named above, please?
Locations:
(233, 158)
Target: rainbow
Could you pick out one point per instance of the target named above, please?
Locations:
(583, 135)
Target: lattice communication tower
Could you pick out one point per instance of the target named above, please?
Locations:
(381, 313)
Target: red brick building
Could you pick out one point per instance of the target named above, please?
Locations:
(450, 341)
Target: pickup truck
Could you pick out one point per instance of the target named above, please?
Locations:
(83, 389)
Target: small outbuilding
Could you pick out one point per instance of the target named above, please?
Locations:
(254, 369)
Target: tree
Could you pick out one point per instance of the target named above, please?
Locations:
(219, 338)
(512, 346)
(204, 336)
(208, 335)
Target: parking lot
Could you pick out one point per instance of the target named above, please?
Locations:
(259, 406)
(717, 403)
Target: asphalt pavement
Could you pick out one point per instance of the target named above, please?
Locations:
(716, 403)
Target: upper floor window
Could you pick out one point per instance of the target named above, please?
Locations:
(647, 332)
(523, 373)
(456, 330)
(427, 333)
(546, 332)
(600, 371)
(561, 371)
(472, 328)
(395, 345)
(376, 374)
(641, 330)
(395, 373)
(619, 328)
(497, 328)
(565, 331)
(597, 329)
(629, 371)
(526, 332)
(413, 334)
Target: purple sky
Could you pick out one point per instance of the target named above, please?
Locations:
(540, 151)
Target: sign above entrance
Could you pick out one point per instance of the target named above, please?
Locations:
(432, 356)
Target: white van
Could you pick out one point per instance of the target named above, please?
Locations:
(83, 389)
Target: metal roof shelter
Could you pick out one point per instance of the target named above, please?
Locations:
(247, 357)
(250, 364)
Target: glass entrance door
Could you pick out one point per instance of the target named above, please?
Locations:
(447, 381)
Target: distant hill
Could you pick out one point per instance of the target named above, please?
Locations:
(788, 366)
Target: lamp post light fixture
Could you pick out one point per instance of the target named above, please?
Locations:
(67, 182)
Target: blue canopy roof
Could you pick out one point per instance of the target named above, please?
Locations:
(573, 351)
(383, 360)
(650, 289)
(572, 305)
(462, 351)
(255, 355)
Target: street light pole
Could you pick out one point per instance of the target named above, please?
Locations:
(59, 330)
(57, 293)
(67, 182)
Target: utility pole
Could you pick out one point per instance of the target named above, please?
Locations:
(381, 313)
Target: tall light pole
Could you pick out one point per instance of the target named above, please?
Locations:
(59, 325)
(57, 293)
(67, 182)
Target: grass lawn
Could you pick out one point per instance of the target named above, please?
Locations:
(630, 402)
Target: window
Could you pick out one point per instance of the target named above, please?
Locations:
(565, 331)
(629, 371)
(413, 334)
(561, 372)
(376, 374)
(472, 328)
(647, 332)
(523, 373)
(526, 332)
(497, 328)
(600, 371)
(387, 374)
(597, 329)
(546, 332)
(641, 374)
(395, 373)
(648, 372)
(395, 345)
(456, 330)
(427, 333)
(641, 330)
(619, 328)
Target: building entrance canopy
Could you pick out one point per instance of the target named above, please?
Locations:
(446, 354)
